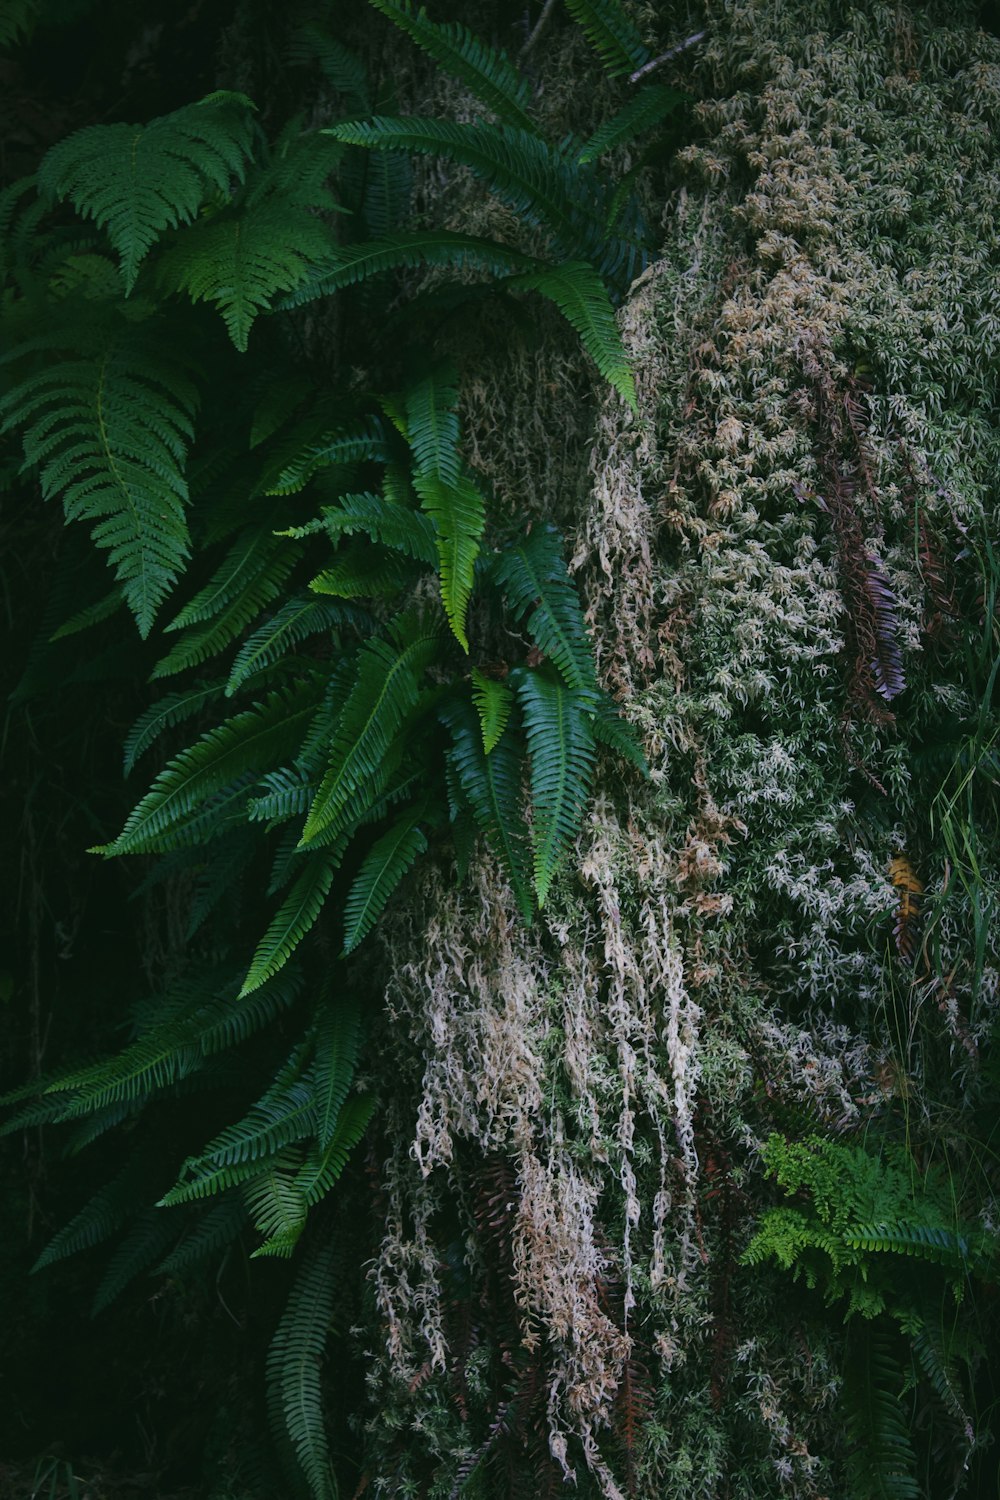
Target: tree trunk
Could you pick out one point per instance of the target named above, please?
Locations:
(787, 564)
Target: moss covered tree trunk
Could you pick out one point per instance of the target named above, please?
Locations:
(775, 951)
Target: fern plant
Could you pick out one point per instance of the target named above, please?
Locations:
(364, 663)
(856, 1222)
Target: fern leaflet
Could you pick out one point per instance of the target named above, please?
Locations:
(537, 585)
(295, 917)
(488, 74)
(494, 701)
(245, 743)
(581, 297)
(382, 869)
(135, 181)
(611, 34)
(109, 431)
(561, 745)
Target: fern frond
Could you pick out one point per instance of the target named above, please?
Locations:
(527, 173)
(243, 744)
(447, 495)
(561, 746)
(383, 867)
(294, 1368)
(386, 521)
(385, 691)
(163, 715)
(108, 421)
(337, 1033)
(611, 34)
(459, 515)
(405, 250)
(211, 1231)
(883, 1463)
(277, 1206)
(493, 786)
(609, 728)
(642, 112)
(362, 572)
(230, 1024)
(534, 579)
(135, 181)
(580, 295)
(293, 920)
(488, 74)
(945, 1247)
(93, 614)
(145, 1243)
(241, 260)
(360, 441)
(258, 583)
(295, 621)
(106, 1211)
(283, 1115)
(346, 71)
(323, 1166)
(494, 701)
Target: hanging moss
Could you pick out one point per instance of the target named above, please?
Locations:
(774, 552)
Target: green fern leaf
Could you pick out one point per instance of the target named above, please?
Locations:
(136, 181)
(212, 1231)
(488, 74)
(447, 495)
(145, 1243)
(609, 728)
(883, 1463)
(93, 614)
(360, 441)
(384, 520)
(362, 572)
(537, 585)
(531, 176)
(580, 295)
(649, 106)
(493, 786)
(494, 701)
(382, 869)
(295, 621)
(284, 1115)
(323, 1166)
(459, 515)
(277, 1206)
(240, 261)
(294, 1369)
(611, 34)
(251, 577)
(405, 250)
(337, 1038)
(109, 430)
(385, 692)
(244, 743)
(561, 746)
(105, 1212)
(294, 919)
(346, 71)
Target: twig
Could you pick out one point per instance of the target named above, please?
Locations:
(540, 25)
(689, 41)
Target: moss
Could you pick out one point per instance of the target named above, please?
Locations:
(818, 345)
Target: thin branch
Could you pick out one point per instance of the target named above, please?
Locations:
(689, 41)
(540, 25)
